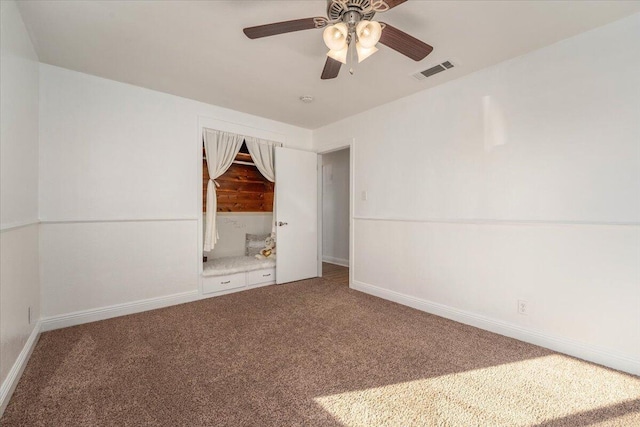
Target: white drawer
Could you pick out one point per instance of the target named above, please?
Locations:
(223, 283)
(261, 276)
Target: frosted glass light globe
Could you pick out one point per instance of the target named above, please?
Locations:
(339, 55)
(364, 52)
(369, 33)
(335, 36)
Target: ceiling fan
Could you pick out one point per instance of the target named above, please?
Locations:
(350, 32)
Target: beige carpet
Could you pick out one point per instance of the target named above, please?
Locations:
(311, 353)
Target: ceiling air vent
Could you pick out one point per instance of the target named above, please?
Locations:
(433, 70)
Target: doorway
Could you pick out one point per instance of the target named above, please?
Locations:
(335, 209)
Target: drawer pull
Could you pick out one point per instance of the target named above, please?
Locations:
(266, 275)
(224, 283)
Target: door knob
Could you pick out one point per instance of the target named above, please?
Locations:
(282, 223)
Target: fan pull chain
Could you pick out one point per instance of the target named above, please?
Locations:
(351, 49)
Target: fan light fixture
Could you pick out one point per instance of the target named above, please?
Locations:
(350, 33)
(339, 36)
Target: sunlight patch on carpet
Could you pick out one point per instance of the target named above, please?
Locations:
(524, 393)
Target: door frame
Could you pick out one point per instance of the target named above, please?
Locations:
(351, 145)
(210, 122)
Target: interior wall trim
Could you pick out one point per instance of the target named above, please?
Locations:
(116, 310)
(532, 222)
(10, 383)
(564, 345)
(18, 224)
(106, 220)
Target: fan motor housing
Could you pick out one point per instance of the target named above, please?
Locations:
(337, 8)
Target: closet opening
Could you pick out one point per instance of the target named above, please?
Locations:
(239, 234)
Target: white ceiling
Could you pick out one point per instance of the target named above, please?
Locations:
(196, 49)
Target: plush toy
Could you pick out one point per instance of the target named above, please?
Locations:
(269, 250)
(265, 253)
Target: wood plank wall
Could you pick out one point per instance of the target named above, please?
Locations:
(242, 188)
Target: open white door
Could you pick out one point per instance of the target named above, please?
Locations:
(297, 215)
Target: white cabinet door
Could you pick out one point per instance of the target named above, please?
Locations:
(296, 215)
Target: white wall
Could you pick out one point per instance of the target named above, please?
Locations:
(335, 207)
(232, 228)
(19, 167)
(19, 283)
(120, 190)
(525, 184)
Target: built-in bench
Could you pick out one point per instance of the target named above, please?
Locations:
(223, 274)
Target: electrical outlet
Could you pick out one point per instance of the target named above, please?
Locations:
(364, 196)
(523, 307)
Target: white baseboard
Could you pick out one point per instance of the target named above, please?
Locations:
(334, 260)
(102, 313)
(560, 344)
(10, 383)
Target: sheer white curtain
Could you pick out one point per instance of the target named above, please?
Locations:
(220, 148)
(263, 154)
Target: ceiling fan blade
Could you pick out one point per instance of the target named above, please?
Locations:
(404, 43)
(393, 3)
(285, 27)
(331, 69)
